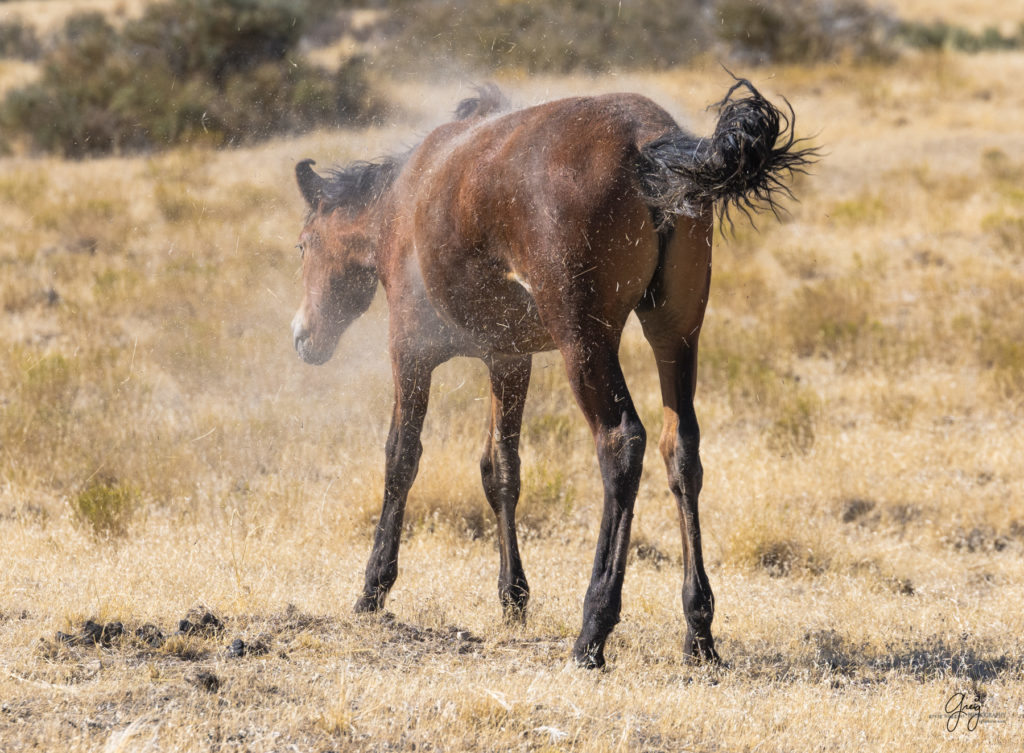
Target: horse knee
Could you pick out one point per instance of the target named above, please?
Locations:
(499, 471)
(684, 467)
(622, 456)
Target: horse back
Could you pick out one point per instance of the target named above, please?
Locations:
(515, 220)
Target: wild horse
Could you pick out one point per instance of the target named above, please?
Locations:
(505, 233)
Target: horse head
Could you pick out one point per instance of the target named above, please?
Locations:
(339, 273)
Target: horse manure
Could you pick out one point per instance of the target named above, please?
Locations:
(207, 624)
(240, 648)
(110, 632)
(856, 508)
(207, 681)
(92, 634)
(151, 635)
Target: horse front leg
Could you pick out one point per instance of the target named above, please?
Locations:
(499, 469)
(403, 450)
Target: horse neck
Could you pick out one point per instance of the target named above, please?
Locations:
(379, 221)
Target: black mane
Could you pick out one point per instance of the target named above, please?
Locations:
(488, 100)
(359, 184)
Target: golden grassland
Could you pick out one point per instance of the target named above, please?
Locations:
(973, 14)
(48, 16)
(162, 450)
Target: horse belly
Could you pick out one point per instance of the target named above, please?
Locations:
(487, 300)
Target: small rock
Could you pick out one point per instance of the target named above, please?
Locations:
(84, 245)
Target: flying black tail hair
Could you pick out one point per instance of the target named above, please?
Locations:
(746, 163)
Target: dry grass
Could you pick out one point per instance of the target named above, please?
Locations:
(972, 14)
(162, 449)
(49, 15)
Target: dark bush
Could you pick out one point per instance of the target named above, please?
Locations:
(213, 40)
(220, 72)
(599, 35)
(800, 31)
(18, 40)
(540, 36)
(940, 35)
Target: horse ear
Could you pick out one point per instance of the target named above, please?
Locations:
(310, 184)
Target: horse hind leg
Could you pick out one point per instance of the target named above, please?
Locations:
(671, 324)
(680, 449)
(592, 364)
(499, 470)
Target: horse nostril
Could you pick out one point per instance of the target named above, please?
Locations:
(299, 332)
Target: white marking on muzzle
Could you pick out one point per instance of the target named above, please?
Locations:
(298, 326)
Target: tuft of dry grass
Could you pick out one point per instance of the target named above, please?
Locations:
(164, 454)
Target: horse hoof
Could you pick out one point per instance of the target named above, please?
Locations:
(514, 616)
(588, 657)
(366, 606)
(701, 650)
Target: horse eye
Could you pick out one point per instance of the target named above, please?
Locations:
(302, 249)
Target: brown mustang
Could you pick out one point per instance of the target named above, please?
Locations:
(505, 233)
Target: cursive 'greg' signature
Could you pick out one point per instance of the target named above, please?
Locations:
(957, 707)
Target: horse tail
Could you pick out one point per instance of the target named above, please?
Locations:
(746, 163)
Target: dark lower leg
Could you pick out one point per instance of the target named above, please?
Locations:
(698, 599)
(382, 568)
(620, 454)
(402, 462)
(499, 469)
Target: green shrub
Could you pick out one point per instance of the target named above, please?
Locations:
(791, 430)
(1000, 350)
(941, 35)
(40, 393)
(105, 506)
(1007, 231)
(830, 318)
(740, 364)
(50, 386)
(186, 71)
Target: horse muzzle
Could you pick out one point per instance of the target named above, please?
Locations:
(304, 343)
